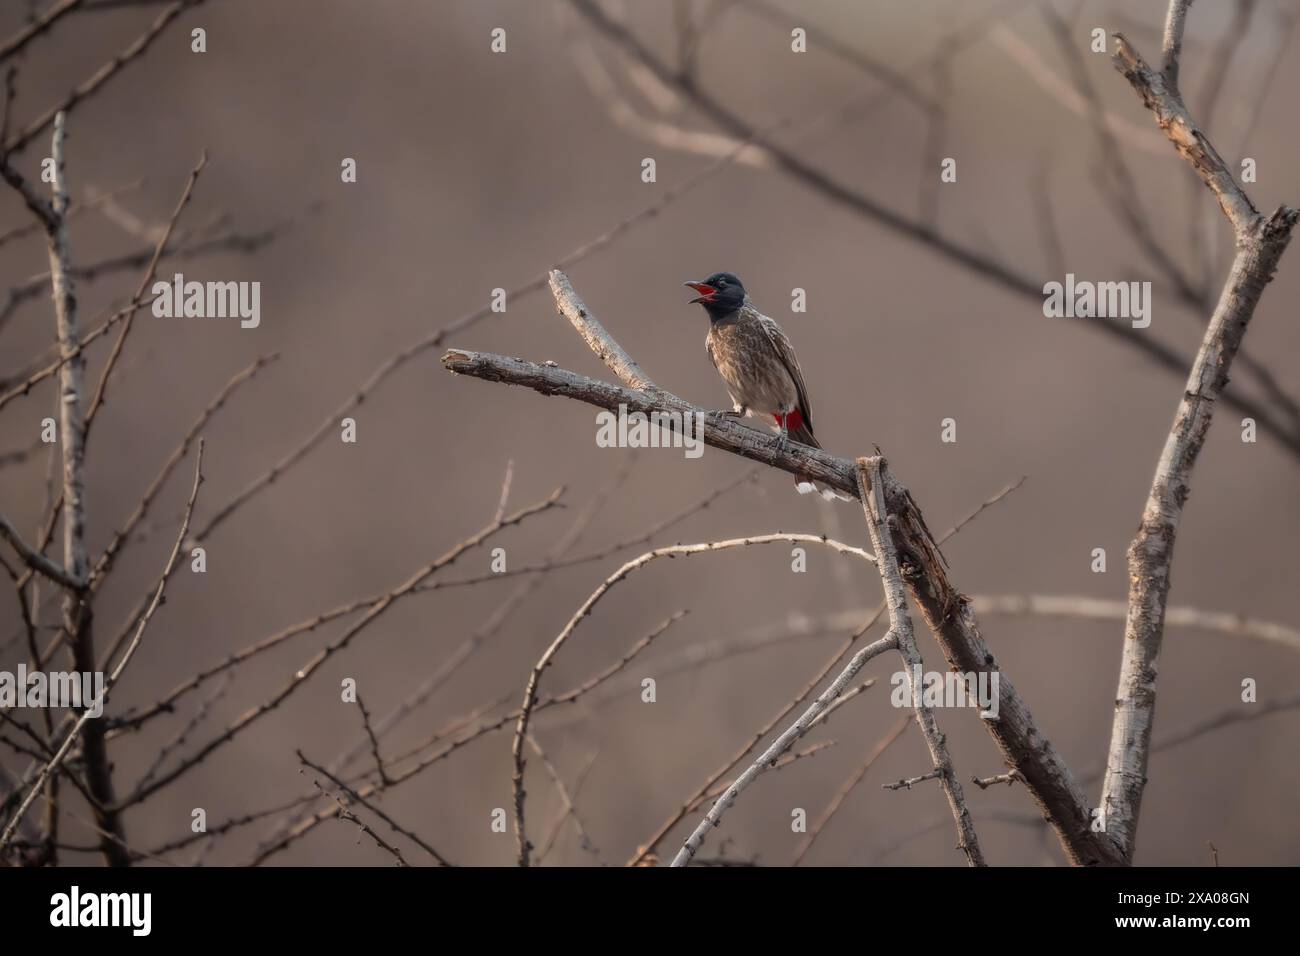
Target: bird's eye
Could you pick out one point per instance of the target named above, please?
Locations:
(721, 282)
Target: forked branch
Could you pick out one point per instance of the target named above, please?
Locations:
(1261, 241)
(945, 610)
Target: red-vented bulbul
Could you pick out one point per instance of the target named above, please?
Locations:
(756, 360)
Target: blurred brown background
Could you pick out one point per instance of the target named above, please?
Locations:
(478, 171)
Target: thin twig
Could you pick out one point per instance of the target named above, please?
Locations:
(847, 788)
(96, 81)
(345, 814)
(112, 679)
(505, 490)
(281, 842)
(436, 338)
(393, 824)
(770, 756)
(975, 259)
(369, 604)
(304, 673)
(530, 692)
(36, 27)
(985, 782)
(374, 741)
(120, 537)
(37, 561)
(33, 378)
(566, 799)
(908, 782)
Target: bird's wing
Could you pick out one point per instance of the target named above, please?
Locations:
(785, 351)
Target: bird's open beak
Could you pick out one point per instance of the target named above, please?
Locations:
(706, 292)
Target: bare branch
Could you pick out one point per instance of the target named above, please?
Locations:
(282, 841)
(555, 556)
(829, 41)
(505, 490)
(1078, 606)
(880, 523)
(436, 338)
(1023, 743)
(719, 432)
(1226, 718)
(1118, 182)
(71, 421)
(449, 667)
(368, 604)
(1220, 62)
(92, 85)
(112, 679)
(302, 674)
(77, 615)
(184, 246)
(668, 135)
(771, 755)
(548, 656)
(985, 782)
(594, 334)
(1260, 244)
(220, 829)
(1047, 80)
(1172, 117)
(393, 824)
(558, 824)
(120, 538)
(645, 853)
(177, 740)
(37, 561)
(1150, 555)
(345, 814)
(145, 282)
(36, 27)
(570, 810)
(36, 377)
(907, 783)
(790, 758)
(96, 198)
(1172, 49)
(374, 740)
(848, 787)
(975, 259)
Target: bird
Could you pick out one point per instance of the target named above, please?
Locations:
(756, 360)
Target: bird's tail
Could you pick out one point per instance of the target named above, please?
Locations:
(805, 484)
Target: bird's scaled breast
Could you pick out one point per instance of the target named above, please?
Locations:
(751, 367)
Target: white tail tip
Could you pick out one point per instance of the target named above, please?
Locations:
(808, 487)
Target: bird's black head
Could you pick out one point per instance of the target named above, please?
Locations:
(720, 294)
